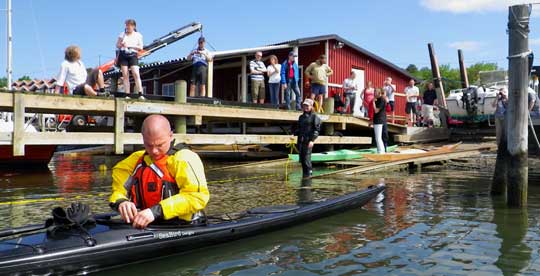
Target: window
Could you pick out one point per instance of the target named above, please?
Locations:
(167, 89)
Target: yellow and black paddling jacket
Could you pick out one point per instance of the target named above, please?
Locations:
(173, 187)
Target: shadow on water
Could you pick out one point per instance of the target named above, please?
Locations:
(511, 225)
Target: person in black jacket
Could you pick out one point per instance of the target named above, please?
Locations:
(309, 126)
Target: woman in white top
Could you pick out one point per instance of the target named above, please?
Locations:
(274, 79)
(129, 43)
(73, 77)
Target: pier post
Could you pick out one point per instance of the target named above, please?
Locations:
(436, 75)
(180, 97)
(500, 175)
(517, 111)
(463, 70)
(328, 128)
(18, 124)
(210, 80)
(120, 105)
(114, 85)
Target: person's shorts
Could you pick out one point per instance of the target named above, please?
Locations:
(79, 90)
(127, 60)
(199, 74)
(410, 108)
(257, 90)
(391, 104)
(318, 89)
(92, 77)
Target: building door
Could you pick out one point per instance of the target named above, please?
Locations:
(360, 83)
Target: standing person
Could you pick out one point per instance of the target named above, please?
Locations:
(368, 96)
(349, 88)
(412, 93)
(534, 104)
(257, 71)
(161, 182)
(379, 119)
(274, 79)
(500, 104)
(429, 101)
(75, 78)
(317, 73)
(290, 77)
(309, 126)
(199, 70)
(129, 43)
(389, 90)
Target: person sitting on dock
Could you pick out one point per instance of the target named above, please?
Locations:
(74, 77)
(317, 73)
(429, 100)
(161, 182)
(309, 127)
(257, 69)
(200, 58)
(289, 80)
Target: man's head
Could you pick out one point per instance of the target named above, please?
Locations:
(292, 55)
(307, 105)
(411, 83)
(157, 136)
(353, 75)
(258, 55)
(322, 59)
(201, 42)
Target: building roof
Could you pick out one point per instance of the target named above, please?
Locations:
(284, 44)
(312, 39)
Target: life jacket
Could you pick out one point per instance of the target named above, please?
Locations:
(152, 183)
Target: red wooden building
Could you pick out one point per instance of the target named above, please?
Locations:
(229, 72)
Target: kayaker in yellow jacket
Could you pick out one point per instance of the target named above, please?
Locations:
(160, 182)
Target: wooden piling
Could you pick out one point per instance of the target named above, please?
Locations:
(328, 128)
(500, 175)
(180, 97)
(437, 80)
(463, 70)
(517, 112)
(120, 105)
(18, 124)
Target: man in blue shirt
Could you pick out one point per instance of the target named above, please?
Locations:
(200, 58)
(289, 80)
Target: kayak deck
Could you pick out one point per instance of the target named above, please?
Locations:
(339, 155)
(118, 243)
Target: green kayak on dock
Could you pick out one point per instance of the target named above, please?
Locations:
(339, 155)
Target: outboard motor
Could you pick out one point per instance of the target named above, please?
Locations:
(470, 100)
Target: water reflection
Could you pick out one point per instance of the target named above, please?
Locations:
(511, 226)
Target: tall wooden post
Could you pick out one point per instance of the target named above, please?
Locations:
(328, 128)
(436, 76)
(210, 80)
(500, 175)
(244, 80)
(517, 112)
(180, 96)
(462, 70)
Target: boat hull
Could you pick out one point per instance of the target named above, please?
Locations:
(119, 244)
(34, 155)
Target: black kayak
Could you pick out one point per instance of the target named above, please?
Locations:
(114, 243)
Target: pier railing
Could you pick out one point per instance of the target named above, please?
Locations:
(119, 108)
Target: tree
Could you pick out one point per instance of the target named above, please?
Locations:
(3, 82)
(25, 78)
(474, 70)
(412, 69)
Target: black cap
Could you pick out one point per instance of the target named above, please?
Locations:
(202, 39)
(292, 53)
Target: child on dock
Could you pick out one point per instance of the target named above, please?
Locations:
(129, 43)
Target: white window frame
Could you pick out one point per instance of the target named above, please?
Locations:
(165, 92)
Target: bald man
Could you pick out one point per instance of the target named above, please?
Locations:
(161, 182)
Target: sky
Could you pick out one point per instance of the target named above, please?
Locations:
(397, 30)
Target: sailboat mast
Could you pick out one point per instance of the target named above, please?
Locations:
(9, 69)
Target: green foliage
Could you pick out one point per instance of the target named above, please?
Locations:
(3, 82)
(25, 78)
(451, 76)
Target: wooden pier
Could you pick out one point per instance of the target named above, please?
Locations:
(119, 108)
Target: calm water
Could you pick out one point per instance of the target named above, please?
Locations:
(438, 222)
